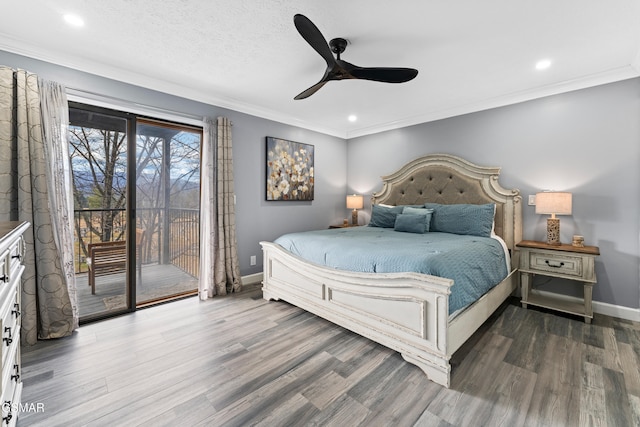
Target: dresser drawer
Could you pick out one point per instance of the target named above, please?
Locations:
(16, 252)
(10, 321)
(11, 374)
(11, 262)
(558, 263)
(11, 398)
(5, 267)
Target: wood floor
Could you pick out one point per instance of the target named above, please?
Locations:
(240, 361)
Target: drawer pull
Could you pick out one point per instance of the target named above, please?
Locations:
(8, 340)
(15, 377)
(4, 278)
(554, 265)
(16, 310)
(18, 256)
(7, 419)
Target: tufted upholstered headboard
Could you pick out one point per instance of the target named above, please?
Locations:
(447, 179)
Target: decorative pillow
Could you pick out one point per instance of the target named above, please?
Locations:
(475, 220)
(384, 216)
(424, 212)
(410, 223)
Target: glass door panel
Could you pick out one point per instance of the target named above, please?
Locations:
(167, 210)
(98, 150)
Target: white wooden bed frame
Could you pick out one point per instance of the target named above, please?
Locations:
(407, 312)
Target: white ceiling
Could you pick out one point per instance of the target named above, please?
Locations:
(246, 55)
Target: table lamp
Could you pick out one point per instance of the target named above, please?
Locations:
(355, 202)
(554, 203)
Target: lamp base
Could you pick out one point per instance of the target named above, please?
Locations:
(354, 217)
(553, 231)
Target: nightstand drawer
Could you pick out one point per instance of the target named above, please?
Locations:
(562, 264)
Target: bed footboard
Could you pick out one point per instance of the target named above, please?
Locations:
(407, 312)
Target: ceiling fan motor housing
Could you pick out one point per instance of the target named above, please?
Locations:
(338, 45)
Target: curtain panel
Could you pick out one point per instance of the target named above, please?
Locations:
(49, 306)
(219, 266)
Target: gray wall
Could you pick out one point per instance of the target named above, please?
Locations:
(586, 142)
(256, 219)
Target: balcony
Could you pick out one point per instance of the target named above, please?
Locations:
(167, 256)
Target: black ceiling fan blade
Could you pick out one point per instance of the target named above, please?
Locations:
(313, 89)
(314, 37)
(382, 74)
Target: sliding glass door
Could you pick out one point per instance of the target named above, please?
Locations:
(136, 185)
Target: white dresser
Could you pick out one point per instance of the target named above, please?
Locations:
(11, 268)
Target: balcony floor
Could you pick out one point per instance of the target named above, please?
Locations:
(158, 280)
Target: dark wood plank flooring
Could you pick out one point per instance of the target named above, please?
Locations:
(241, 361)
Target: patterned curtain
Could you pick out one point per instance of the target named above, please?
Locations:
(49, 309)
(219, 266)
(55, 129)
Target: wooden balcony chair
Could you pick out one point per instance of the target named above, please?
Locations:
(111, 258)
(106, 258)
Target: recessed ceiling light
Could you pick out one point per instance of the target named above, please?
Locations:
(74, 20)
(543, 64)
(352, 118)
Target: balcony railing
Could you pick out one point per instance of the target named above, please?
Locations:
(184, 240)
(179, 245)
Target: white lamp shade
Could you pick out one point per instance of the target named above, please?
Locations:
(553, 202)
(355, 202)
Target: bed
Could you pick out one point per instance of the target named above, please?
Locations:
(406, 311)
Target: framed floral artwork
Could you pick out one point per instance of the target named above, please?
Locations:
(289, 170)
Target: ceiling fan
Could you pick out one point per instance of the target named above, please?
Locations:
(337, 69)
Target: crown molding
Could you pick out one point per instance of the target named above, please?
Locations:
(12, 45)
(609, 76)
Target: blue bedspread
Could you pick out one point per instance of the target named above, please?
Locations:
(476, 264)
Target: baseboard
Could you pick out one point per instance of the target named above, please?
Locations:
(618, 311)
(252, 279)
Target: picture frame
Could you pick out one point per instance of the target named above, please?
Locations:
(290, 170)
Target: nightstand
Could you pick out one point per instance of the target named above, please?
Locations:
(563, 261)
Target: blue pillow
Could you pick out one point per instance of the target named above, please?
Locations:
(424, 212)
(474, 220)
(384, 216)
(410, 223)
